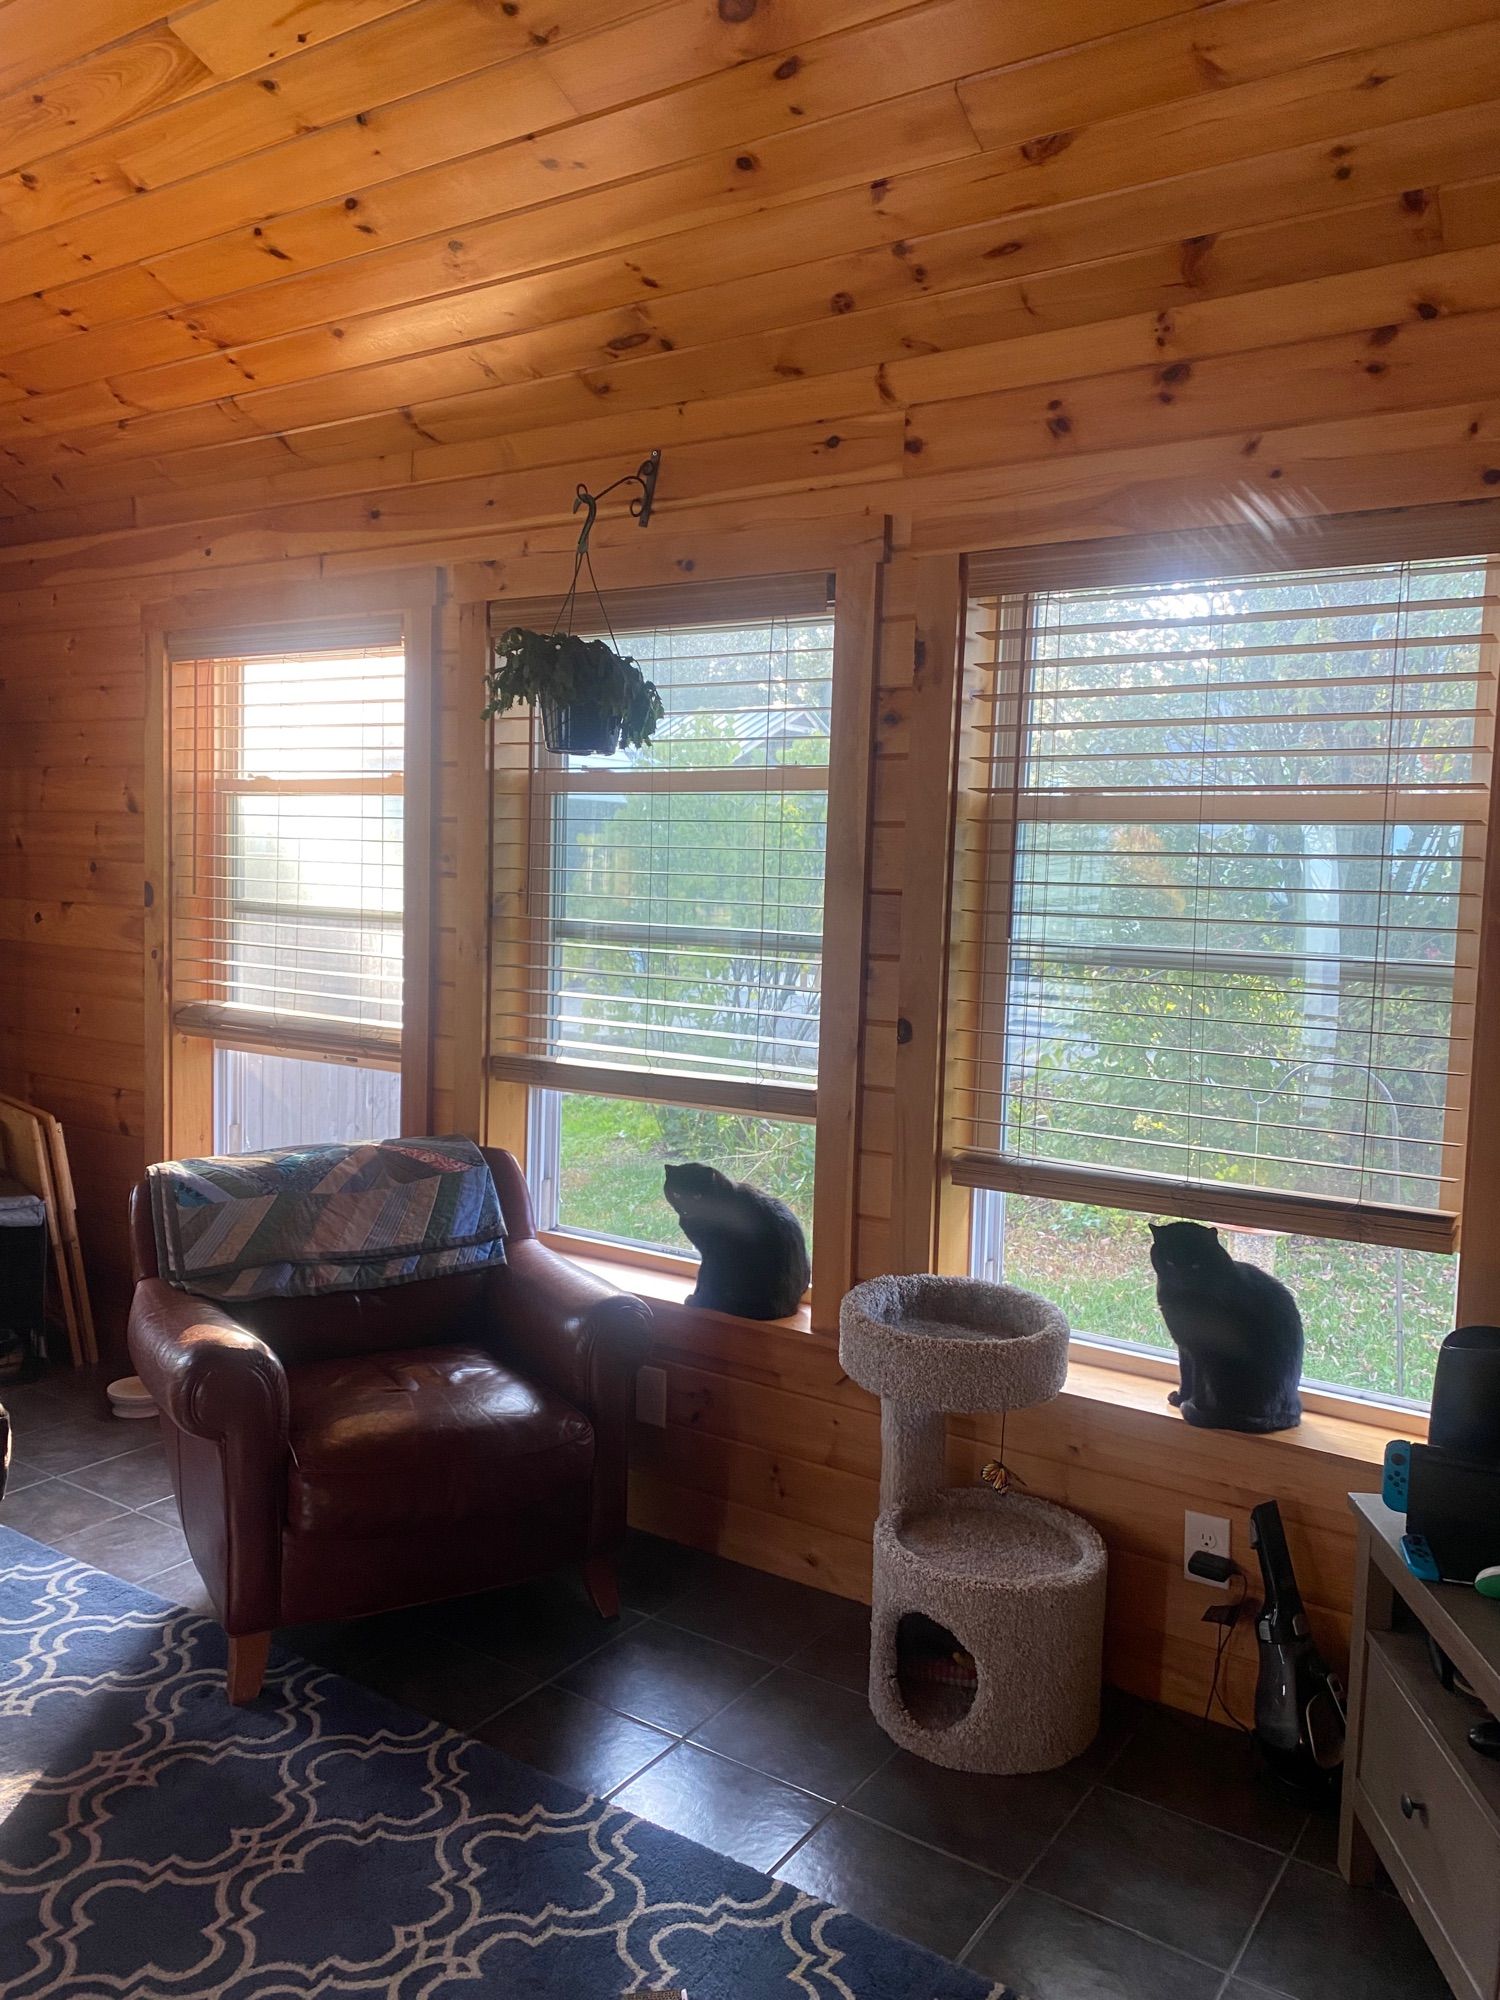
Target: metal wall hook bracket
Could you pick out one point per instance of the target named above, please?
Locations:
(644, 476)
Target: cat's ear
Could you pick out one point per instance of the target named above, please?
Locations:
(1214, 1234)
(1154, 1228)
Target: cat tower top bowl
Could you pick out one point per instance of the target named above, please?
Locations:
(953, 1343)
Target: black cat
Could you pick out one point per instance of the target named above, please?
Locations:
(1237, 1329)
(754, 1254)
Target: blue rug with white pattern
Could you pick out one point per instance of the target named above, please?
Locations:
(155, 1842)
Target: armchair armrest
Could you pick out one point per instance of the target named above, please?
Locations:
(204, 1370)
(223, 1393)
(584, 1341)
(574, 1333)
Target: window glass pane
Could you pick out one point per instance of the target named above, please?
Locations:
(318, 853)
(1227, 921)
(1270, 1005)
(262, 1101)
(688, 931)
(611, 1152)
(1373, 1315)
(742, 697)
(287, 829)
(676, 891)
(325, 715)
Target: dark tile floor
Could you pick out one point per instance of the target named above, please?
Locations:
(728, 1705)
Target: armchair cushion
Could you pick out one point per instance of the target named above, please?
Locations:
(386, 1443)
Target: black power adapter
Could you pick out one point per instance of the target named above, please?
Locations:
(1211, 1568)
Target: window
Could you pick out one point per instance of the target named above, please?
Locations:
(1218, 894)
(287, 872)
(263, 1100)
(656, 974)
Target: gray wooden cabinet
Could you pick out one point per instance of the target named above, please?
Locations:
(1417, 1797)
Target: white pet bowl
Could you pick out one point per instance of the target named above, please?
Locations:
(129, 1397)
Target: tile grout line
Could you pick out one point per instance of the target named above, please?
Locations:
(1101, 1784)
(798, 1845)
(1046, 1847)
(1255, 1921)
(1013, 1883)
(1176, 1812)
(678, 1738)
(650, 1618)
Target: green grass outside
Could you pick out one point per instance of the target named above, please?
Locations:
(1095, 1265)
(613, 1153)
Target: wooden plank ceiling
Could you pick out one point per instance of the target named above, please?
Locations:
(258, 256)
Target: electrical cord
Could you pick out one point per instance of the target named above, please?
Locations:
(1228, 1625)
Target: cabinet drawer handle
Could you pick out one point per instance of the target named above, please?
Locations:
(1413, 1808)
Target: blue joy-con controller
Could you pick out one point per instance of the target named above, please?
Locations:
(1419, 1558)
(1395, 1484)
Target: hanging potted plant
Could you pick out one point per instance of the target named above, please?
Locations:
(592, 698)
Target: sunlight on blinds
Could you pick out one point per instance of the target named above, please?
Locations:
(287, 846)
(673, 906)
(1223, 915)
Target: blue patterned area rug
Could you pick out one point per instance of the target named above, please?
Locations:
(157, 1844)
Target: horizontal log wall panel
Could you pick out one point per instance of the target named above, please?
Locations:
(801, 1449)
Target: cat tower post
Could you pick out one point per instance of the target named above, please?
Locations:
(1017, 1582)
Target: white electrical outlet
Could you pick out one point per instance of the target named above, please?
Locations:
(651, 1397)
(1204, 1534)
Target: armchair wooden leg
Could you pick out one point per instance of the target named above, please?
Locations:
(602, 1586)
(247, 1665)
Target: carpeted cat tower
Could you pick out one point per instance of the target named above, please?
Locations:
(1012, 1586)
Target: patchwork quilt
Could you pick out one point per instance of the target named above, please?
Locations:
(313, 1219)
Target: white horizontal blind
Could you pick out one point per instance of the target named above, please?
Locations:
(287, 846)
(665, 936)
(1223, 911)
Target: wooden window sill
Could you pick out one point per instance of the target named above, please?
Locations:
(670, 1289)
(1353, 1441)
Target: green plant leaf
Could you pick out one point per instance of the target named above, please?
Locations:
(526, 665)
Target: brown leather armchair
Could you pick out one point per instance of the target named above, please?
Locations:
(362, 1451)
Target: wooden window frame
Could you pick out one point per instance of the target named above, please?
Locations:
(832, 1107)
(1004, 807)
(182, 1030)
(930, 1222)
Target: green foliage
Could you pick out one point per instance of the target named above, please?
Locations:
(572, 672)
(1374, 1316)
(613, 1152)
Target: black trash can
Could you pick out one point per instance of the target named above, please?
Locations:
(23, 1280)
